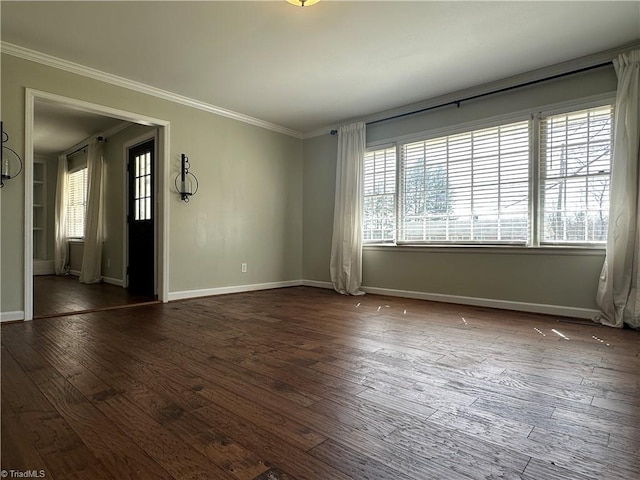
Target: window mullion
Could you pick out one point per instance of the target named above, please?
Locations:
(499, 186)
(473, 192)
(398, 197)
(535, 167)
(446, 196)
(425, 193)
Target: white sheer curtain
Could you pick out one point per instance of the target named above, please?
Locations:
(91, 271)
(60, 241)
(618, 294)
(346, 244)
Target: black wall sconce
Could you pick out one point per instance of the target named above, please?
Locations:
(10, 161)
(186, 182)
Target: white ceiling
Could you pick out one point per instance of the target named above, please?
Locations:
(58, 128)
(305, 68)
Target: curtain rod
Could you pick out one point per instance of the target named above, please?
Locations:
(78, 150)
(100, 138)
(480, 95)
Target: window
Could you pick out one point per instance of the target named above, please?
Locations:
(476, 187)
(379, 195)
(469, 187)
(142, 186)
(76, 203)
(575, 169)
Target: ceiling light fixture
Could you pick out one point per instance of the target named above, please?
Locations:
(302, 3)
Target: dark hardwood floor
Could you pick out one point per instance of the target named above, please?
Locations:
(303, 383)
(55, 295)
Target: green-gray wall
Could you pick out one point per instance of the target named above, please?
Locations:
(248, 208)
(565, 278)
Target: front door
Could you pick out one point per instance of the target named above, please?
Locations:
(140, 219)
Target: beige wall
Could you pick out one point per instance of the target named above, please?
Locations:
(549, 279)
(76, 250)
(540, 277)
(319, 187)
(248, 209)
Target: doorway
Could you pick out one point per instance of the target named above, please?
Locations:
(160, 250)
(141, 219)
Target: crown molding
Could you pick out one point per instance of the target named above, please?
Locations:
(533, 75)
(76, 68)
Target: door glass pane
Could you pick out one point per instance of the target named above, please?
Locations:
(142, 187)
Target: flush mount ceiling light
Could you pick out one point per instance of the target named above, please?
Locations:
(302, 3)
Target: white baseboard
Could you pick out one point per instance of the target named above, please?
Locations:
(113, 281)
(11, 316)
(206, 292)
(560, 310)
(43, 267)
(318, 284)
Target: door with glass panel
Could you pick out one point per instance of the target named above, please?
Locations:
(141, 219)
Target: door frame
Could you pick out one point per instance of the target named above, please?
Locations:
(134, 142)
(162, 175)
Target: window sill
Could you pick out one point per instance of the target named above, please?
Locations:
(490, 249)
(76, 240)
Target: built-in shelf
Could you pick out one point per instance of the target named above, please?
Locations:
(39, 210)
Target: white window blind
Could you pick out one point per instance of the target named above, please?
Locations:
(379, 195)
(575, 169)
(469, 187)
(76, 203)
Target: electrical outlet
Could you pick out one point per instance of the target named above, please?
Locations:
(108, 262)
(244, 268)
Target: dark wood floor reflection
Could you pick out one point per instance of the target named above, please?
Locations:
(304, 383)
(55, 295)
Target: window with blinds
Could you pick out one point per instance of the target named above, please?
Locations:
(470, 187)
(575, 169)
(379, 195)
(538, 182)
(76, 203)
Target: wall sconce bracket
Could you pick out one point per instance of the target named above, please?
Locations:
(186, 182)
(8, 157)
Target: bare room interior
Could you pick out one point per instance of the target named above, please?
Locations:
(62, 130)
(287, 240)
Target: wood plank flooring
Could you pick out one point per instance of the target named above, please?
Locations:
(55, 295)
(303, 383)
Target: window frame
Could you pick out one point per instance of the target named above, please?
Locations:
(535, 211)
(388, 241)
(540, 242)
